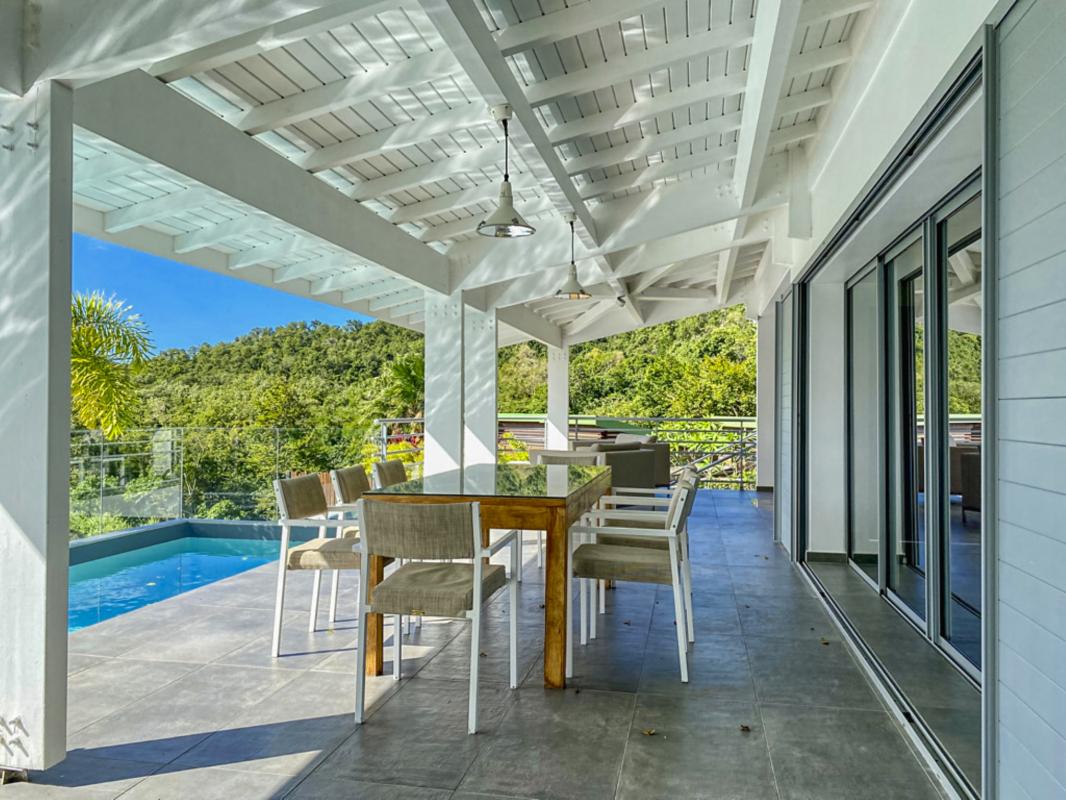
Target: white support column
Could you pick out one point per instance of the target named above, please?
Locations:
(444, 383)
(36, 182)
(765, 394)
(556, 429)
(479, 370)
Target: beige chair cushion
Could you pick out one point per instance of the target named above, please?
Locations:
(614, 562)
(627, 438)
(655, 543)
(431, 589)
(327, 553)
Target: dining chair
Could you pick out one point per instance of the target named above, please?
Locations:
(645, 501)
(389, 473)
(302, 504)
(426, 585)
(625, 562)
(546, 457)
(348, 484)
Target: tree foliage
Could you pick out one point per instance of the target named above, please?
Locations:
(108, 345)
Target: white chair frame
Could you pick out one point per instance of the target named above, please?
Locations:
(672, 533)
(287, 523)
(510, 540)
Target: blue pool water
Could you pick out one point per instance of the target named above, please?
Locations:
(112, 585)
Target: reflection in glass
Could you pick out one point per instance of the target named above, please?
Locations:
(864, 516)
(962, 541)
(783, 490)
(907, 568)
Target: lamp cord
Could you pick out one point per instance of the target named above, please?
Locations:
(572, 262)
(506, 153)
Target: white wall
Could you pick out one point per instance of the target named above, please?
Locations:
(35, 232)
(765, 371)
(1030, 381)
(825, 406)
(883, 91)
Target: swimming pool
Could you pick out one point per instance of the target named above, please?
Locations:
(113, 584)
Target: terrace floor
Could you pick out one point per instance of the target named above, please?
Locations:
(180, 699)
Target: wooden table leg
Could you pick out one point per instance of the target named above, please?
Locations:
(555, 609)
(375, 632)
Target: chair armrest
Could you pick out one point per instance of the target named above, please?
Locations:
(654, 533)
(641, 490)
(634, 500)
(636, 516)
(308, 522)
(507, 540)
(344, 507)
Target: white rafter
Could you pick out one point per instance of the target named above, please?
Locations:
(568, 22)
(373, 83)
(776, 24)
(469, 163)
(405, 135)
(157, 208)
(654, 58)
(271, 37)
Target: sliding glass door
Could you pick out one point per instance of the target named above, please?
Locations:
(908, 550)
(863, 420)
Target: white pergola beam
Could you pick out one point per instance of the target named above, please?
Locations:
(110, 165)
(962, 265)
(654, 143)
(389, 139)
(776, 24)
(531, 324)
(122, 219)
(368, 289)
(616, 118)
(654, 58)
(599, 310)
(815, 11)
(396, 299)
(141, 114)
(312, 267)
(347, 92)
(456, 200)
(282, 248)
(667, 294)
(271, 37)
(213, 234)
(822, 58)
(656, 172)
(567, 22)
(460, 24)
(471, 162)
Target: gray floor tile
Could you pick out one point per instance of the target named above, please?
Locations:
(696, 752)
(842, 754)
(807, 673)
(793, 617)
(112, 684)
(210, 783)
(718, 669)
(555, 745)
(287, 732)
(81, 772)
(160, 727)
(769, 580)
(418, 737)
(317, 787)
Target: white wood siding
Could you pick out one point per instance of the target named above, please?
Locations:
(1030, 379)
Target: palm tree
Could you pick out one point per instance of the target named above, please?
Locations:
(408, 383)
(108, 343)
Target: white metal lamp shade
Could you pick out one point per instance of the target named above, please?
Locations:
(571, 288)
(505, 222)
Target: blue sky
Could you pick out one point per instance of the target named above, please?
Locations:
(185, 306)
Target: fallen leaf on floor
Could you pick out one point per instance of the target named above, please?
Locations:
(825, 642)
(482, 654)
(577, 691)
(542, 605)
(745, 728)
(648, 731)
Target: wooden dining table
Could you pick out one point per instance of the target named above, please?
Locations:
(512, 496)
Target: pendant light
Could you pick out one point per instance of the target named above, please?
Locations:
(571, 288)
(505, 222)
